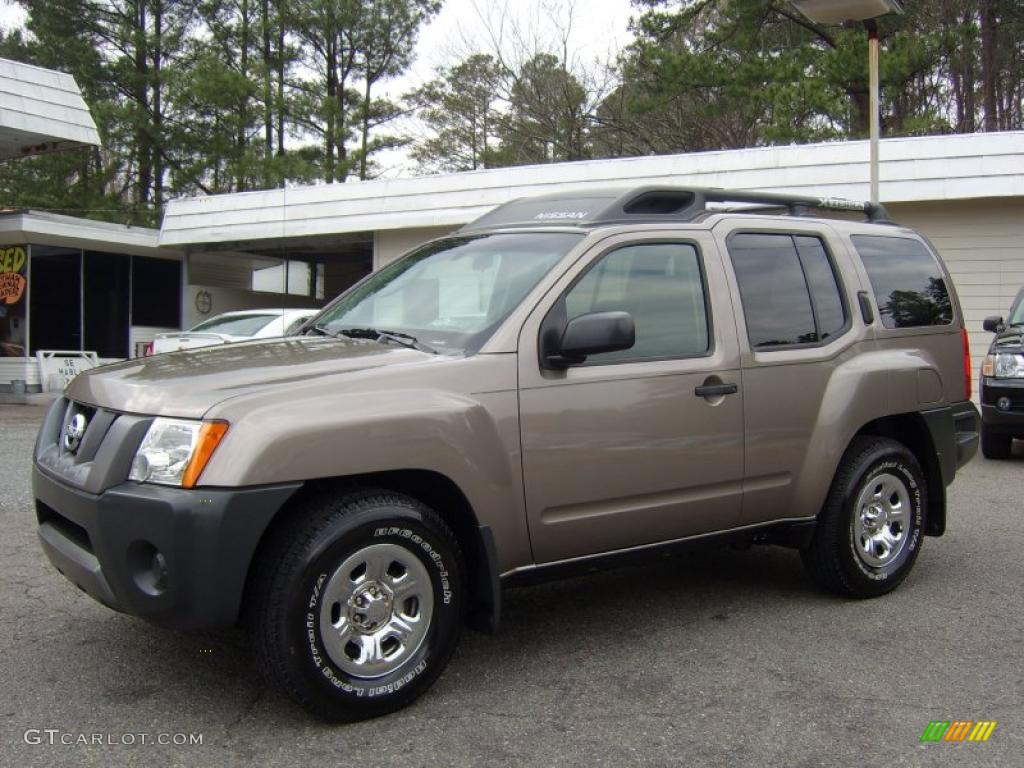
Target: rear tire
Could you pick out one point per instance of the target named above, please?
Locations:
(995, 445)
(870, 529)
(357, 610)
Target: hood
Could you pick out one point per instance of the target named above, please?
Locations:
(188, 383)
(1008, 340)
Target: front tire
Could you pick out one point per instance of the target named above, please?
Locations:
(357, 611)
(995, 445)
(870, 529)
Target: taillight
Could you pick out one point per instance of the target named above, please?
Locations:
(148, 350)
(968, 383)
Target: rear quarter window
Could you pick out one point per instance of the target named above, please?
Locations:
(909, 286)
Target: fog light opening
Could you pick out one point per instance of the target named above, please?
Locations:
(148, 567)
(159, 569)
(1003, 403)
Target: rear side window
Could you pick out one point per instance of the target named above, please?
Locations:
(907, 281)
(788, 287)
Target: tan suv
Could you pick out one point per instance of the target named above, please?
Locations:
(570, 381)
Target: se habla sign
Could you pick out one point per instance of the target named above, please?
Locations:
(58, 367)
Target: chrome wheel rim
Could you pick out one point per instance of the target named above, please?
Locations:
(881, 520)
(376, 610)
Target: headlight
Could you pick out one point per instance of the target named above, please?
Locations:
(175, 451)
(1003, 366)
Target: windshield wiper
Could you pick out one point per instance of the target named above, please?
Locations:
(377, 334)
(322, 331)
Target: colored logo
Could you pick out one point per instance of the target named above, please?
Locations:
(12, 284)
(958, 730)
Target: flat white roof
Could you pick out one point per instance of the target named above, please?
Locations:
(925, 168)
(41, 110)
(42, 228)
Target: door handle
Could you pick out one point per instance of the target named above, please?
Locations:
(716, 390)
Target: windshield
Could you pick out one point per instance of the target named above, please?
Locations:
(451, 295)
(1017, 314)
(244, 325)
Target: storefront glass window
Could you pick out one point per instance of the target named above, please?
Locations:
(56, 299)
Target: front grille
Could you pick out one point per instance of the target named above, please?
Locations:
(103, 454)
(85, 446)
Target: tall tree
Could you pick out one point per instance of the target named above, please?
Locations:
(221, 91)
(385, 41)
(547, 115)
(144, 41)
(327, 99)
(705, 74)
(350, 46)
(458, 107)
(529, 85)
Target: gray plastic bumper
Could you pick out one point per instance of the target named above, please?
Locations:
(175, 557)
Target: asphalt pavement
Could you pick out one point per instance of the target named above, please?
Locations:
(723, 658)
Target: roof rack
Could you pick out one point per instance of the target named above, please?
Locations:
(657, 204)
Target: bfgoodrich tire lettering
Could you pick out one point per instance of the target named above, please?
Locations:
(871, 527)
(335, 622)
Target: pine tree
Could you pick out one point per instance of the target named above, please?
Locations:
(459, 108)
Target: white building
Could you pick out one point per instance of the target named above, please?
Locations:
(301, 246)
(964, 192)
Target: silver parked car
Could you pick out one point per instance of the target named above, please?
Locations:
(233, 326)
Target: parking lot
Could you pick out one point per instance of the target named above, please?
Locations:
(722, 658)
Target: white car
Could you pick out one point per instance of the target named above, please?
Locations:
(233, 326)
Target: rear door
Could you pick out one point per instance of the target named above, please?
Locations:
(624, 450)
(794, 286)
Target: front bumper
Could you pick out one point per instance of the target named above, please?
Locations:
(108, 544)
(1006, 421)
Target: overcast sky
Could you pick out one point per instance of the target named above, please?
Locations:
(598, 29)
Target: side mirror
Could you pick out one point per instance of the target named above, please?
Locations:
(593, 334)
(993, 323)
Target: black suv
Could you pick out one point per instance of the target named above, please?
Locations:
(1002, 383)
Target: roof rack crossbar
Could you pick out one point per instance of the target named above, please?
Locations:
(797, 205)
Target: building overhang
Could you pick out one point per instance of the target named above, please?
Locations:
(41, 111)
(40, 228)
(917, 169)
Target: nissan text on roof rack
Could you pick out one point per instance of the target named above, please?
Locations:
(571, 381)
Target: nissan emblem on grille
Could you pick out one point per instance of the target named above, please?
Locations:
(74, 432)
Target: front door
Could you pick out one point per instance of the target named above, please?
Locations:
(631, 447)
